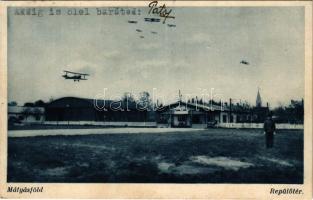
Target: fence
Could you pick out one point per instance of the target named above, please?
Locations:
(258, 125)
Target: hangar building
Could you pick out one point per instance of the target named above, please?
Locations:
(81, 109)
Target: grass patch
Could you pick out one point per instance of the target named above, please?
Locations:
(158, 158)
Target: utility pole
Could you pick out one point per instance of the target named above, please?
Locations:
(230, 107)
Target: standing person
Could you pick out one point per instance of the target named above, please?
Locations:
(269, 131)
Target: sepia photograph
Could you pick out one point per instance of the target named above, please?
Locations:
(160, 93)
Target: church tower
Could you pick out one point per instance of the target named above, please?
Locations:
(258, 99)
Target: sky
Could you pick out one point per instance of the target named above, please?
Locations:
(202, 52)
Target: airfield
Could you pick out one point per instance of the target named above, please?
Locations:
(152, 155)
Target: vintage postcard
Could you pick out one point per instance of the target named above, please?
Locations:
(156, 99)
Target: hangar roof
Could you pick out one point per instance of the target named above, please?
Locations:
(75, 102)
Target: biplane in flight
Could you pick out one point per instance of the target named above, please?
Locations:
(148, 19)
(132, 21)
(244, 62)
(74, 76)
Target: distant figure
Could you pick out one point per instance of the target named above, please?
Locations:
(269, 131)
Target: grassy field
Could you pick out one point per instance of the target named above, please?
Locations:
(208, 156)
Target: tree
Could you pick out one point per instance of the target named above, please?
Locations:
(39, 103)
(145, 102)
(128, 97)
(29, 104)
(126, 103)
(12, 103)
(293, 113)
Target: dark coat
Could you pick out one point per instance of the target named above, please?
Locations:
(269, 126)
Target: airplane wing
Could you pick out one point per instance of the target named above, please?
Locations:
(76, 73)
(83, 74)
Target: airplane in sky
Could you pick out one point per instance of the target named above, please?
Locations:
(244, 62)
(132, 21)
(75, 76)
(152, 19)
